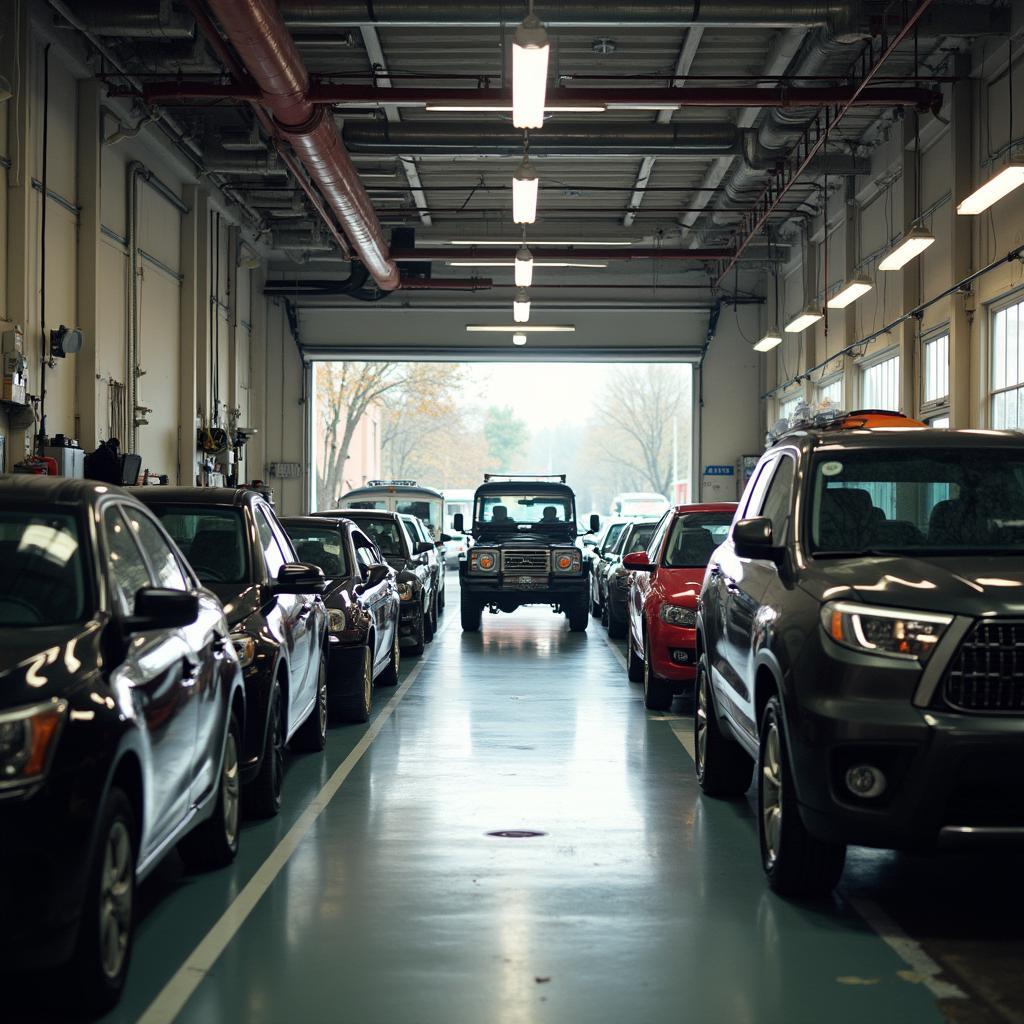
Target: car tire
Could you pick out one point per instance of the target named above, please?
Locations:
(657, 692)
(263, 794)
(595, 608)
(433, 616)
(634, 663)
(389, 677)
(616, 625)
(724, 769)
(421, 627)
(311, 736)
(795, 862)
(472, 612)
(441, 597)
(214, 843)
(99, 965)
(579, 617)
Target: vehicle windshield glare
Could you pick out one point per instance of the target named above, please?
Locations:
(524, 509)
(43, 582)
(384, 533)
(321, 546)
(694, 538)
(934, 500)
(212, 539)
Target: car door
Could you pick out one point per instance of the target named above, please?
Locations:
(642, 583)
(418, 563)
(375, 600)
(160, 673)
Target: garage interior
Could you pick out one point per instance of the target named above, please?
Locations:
(218, 194)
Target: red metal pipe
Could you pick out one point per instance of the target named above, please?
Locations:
(269, 54)
(543, 253)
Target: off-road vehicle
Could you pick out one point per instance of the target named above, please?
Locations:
(525, 550)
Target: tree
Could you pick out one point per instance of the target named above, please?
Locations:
(506, 437)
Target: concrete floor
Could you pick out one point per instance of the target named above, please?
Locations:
(383, 898)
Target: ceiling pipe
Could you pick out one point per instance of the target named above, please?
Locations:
(545, 253)
(134, 19)
(268, 52)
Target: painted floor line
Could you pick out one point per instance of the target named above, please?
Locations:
(176, 993)
(924, 969)
(613, 648)
(683, 731)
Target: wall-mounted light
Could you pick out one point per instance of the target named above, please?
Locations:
(521, 306)
(803, 320)
(851, 291)
(768, 341)
(530, 51)
(998, 187)
(524, 193)
(524, 267)
(913, 244)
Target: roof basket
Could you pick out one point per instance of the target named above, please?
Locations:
(559, 477)
(390, 483)
(837, 419)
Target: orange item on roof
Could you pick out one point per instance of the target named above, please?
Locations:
(871, 418)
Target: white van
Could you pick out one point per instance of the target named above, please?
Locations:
(631, 504)
(404, 496)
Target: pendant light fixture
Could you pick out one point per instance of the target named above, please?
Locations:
(768, 341)
(530, 51)
(804, 319)
(771, 337)
(524, 192)
(518, 339)
(998, 187)
(913, 244)
(524, 267)
(521, 306)
(851, 291)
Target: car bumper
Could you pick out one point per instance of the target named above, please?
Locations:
(344, 668)
(673, 652)
(410, 622)
(548, 591)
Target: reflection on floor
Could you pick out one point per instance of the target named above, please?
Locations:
(638, 902)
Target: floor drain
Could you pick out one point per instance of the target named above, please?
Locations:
(515, 833)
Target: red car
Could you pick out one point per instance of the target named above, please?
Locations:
(664, 586)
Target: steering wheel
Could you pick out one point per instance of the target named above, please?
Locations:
(10, 604)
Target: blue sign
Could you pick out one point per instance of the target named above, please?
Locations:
(719, 470)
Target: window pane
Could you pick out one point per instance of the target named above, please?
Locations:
(161, 557)
(879, 385)
(999, 350)
(1013, 368)
(832, 392)
(936, 369)
(128, 571)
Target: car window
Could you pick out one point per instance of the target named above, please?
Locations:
(378, 506)
(365, 557)
(321, 546)
(161, 556)
(128, 571)
(532, 509)
(639, 539)
(694, 538)
(776, 505)
(386, 534)
(272, 553)
(410, 534)
(211, 538)
(659, 535)
(284, 542)
(613, 534)
(754, 490)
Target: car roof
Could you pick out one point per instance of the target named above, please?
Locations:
(312, 521)
(901, 437)
(203, 496)
(386, 487)
(711, 506)
(356, 514)
(25, 487)
(524, 487)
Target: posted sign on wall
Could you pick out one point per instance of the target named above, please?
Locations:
(718, 483)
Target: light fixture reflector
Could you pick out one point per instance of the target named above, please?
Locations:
(518, 339)
(803, 320)
(768, 341)
(524, 267)
(521, 306)
(524, 193)
(851, 291)
(1009, 178)
(530, 51)
(490, 108)
(914, 243)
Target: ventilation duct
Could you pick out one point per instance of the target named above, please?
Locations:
(134, 19)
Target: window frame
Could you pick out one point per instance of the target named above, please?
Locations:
(932, 407)
(1015, 298)
(871, 363)
(827, 382)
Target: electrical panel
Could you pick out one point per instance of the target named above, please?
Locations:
(13, 367)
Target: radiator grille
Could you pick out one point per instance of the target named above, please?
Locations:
(526, 562)
(987, 672)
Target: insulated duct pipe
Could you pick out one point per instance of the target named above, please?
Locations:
(134, 19)
(268, 52)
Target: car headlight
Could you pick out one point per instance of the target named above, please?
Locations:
(483, 560)
(27, 741)
(406, 591)
(566, 561)
(337, 620)
(891, 632)
(245, 648)
(674, 615)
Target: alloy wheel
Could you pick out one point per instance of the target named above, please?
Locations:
(116, 892)
(367, 678)
(321, 697)
(701, 723)
(230, 789)
(277, 754)
(771, 793)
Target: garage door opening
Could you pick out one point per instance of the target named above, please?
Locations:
(614, 429)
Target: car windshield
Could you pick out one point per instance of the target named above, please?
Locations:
(43, 579)
(524, 509)
(384, 533)
(378, 506)
(212, 539)
(694, 537)
(638, 539)
(947, 500)
(428, 511)
(320, 546)
(614, 532)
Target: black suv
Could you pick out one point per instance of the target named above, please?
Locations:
(861, 637)
(524, 550)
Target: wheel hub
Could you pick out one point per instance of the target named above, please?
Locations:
(771, 793)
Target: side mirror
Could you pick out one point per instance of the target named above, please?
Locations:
(459, 523)
(589, 542)
(423, 547)
(299, 578)
(375, 576)
(595, 522)
(159, 608)
(752, 538)
(445, 538)
(638, 561)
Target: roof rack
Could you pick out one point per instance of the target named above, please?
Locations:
(837, 419)
(390, 483)
(488, 477)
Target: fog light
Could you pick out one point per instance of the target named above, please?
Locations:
(682, 656)
(865, 781)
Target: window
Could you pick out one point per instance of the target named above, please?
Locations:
(210, 538)
(128, 571)
(659, 536)
(787, 406)
(365, 557)
(159, 553)
(935, 371)
(939, 421)
(532, 509)
(880, 384)
(323, 547)
(776, 500)
(695, 537)
(1007, 412)
(639, 538)
(384, 533)
(272, 553)
(832, 392)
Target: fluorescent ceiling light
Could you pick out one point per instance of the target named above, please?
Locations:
(530, 51)
(524, 193)
(803, 320)
(535, 242)
(488, 108)
(511, 263)
(516, 329)
(851, 291)
(524, 268)
(521, 306)
(768, 341)
(643, 106)
(518, 339)
(914, 243)
(1008, 179)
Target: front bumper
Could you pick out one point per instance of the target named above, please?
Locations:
(552, 590)
(344, 667)
(673, 651)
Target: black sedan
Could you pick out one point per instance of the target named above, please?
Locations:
(410, 560)
(362, 610)
(121, 711)
(239, 550)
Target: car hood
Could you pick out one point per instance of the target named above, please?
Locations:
(681, 586)
(338, 593)
(240, 600)
(962, 585)
(39, 664)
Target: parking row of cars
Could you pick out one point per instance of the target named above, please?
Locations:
(160, 650)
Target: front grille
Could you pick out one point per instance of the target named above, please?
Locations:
(526, 562)
(987, 672)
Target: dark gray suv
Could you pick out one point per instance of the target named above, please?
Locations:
(861, 639)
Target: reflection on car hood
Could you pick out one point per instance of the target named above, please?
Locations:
(681, 586)
(963, 585)
(338, 593)
(240, 600)
(38, 664)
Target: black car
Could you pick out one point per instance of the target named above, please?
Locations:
(121, 711)
(525, 550)
(614, 582)
(362, 610)
(419, 535)
(861, 638)
(409, 559)
(238, 549)
(600, 556)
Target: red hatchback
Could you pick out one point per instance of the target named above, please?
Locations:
(664, 586)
